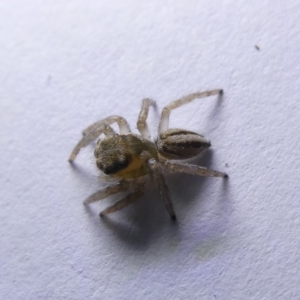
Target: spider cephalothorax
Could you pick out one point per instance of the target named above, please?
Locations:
(129, 157)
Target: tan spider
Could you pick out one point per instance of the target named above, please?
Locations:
(129, 157)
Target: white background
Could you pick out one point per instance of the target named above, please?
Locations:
(66, 64)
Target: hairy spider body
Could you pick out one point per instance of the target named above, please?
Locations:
(128, 157)
(124, 156)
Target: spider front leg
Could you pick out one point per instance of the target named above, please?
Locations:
(141, 123)
(123, 203)
(164, 119)
(122, 123)
(156, 172)
(192, 169)
(95, 130)
(118, 187)
(129, 199)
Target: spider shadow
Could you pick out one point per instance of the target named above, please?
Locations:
(215, 113)
(212, 236)
(84, 173)
(147, 220)
(189, 187)
(139, 224)
(217, 107)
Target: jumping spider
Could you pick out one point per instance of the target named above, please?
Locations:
(129, 157)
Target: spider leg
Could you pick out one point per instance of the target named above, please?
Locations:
(89, 138)
(118, 187)
(164, 119)
(122, 123)
(125, 201)
(157, 173)
(141, 123)
(192, 169)
(105, 129)
(96, 129)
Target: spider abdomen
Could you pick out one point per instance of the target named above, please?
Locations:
(181, 144)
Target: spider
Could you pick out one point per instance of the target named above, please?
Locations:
(129, 158)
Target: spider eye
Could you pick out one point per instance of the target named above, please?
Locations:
(100, 165)
(113, 163)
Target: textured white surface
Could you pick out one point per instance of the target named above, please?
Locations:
(65, 64)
